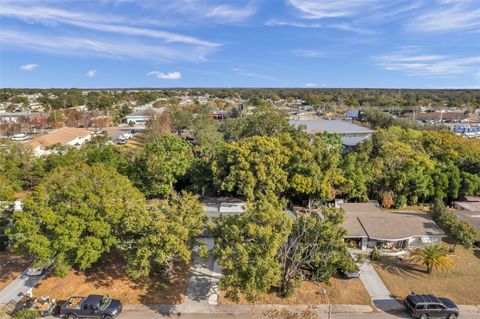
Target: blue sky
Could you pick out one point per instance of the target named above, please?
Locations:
(242, 43)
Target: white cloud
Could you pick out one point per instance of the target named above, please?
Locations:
(319, 9)
(452, 16)
(348, 27)
(29, 67)
(85, 20)
(247, 73)
(91, 73)
(226, 12)
(122, 48)
(413, 63)
(308, 53)
(310, 85)
(167, 76)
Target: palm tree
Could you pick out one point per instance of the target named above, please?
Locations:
(433, 256)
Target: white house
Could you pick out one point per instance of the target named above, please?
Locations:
(142, 115)
(394, 232)
(63, 136)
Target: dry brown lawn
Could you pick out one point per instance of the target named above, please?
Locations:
(11, 265)
(340, 291)
(110, 278)
(462, 284)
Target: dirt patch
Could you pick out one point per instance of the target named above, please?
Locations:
(340, 291)
(110, 278)
(462, 284)
(11, 266)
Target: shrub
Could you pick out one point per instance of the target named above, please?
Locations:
(26, 314)
(375, 254)
(400, 201)
(463, 233)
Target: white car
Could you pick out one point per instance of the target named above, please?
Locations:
(36, 271)
(128, 135)
(19, 137)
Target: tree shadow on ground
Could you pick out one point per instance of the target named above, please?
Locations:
(401, 267)
(157, 288)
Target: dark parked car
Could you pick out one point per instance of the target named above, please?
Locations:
(93, 306)
(429, 306)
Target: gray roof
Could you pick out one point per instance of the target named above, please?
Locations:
(471, 206)
(331, 126)
(367, 220)
(146, 111)
(214, 207)
(399, 226)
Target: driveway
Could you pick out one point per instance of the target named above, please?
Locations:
(204, 275)
(19, 286)
(381, 296)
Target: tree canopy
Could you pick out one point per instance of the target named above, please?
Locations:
(76, 215)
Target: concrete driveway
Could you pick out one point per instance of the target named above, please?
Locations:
(19, 286)
(381, 296)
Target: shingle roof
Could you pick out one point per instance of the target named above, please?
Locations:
(60, 136)
(367, 220)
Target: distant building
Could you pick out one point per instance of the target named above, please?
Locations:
(437, 116)
(14, 117)
(63, 136)
(141, 115)
(353, 114)
(351, 134)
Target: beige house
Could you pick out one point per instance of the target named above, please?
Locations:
(394, 232)
(63, 136)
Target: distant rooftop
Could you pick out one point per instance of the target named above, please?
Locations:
(351, 134)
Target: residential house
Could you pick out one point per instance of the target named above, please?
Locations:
(141, 115)
(63, 136)
(394, 232)
(351, 134)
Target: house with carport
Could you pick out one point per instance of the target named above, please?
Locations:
(392, 232)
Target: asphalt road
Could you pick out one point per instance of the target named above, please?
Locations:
(378, 315)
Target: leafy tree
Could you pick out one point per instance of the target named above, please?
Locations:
(253, 167)
(7, 190)
(18, 165)
(246, 248)
(315, 243)
(206, 130)
(163, 161)
(433, 257)
(76, 215)
(168, 236)
(265, 120)
(313, 165)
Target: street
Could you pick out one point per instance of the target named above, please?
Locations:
(378, 315)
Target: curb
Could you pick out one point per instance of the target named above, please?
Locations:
(244, 309)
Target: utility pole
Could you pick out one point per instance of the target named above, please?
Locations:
(324, 291)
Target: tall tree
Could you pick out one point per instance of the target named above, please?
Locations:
(253, 167)
(247, 247)
(76, 215)
(158, 168)
(168, 236)
(316, 243)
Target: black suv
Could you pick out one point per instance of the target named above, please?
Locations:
(428, 306)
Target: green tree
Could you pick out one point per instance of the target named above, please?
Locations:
(265, 120)
(168, 236)
(313, 166)
(76, 215)
(246, 248)
(433, 257)
(253, 167)
(316, 243)
(158, 168)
